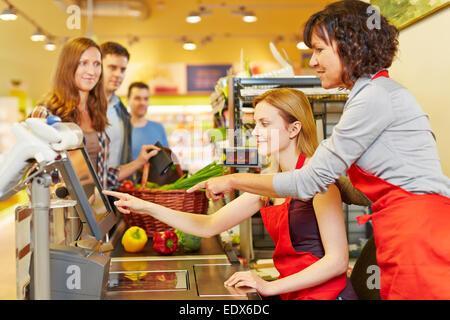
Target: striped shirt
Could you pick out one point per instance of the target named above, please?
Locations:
(108, 177)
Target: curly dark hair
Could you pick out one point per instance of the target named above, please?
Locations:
(364, 47)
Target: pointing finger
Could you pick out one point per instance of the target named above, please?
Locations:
(197, 186)
(122, 209)
(116, 194)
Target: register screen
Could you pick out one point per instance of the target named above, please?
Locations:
(91, 187)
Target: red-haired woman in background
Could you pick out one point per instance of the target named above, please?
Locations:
(78, 96)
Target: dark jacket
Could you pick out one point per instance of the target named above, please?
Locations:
(127, 128)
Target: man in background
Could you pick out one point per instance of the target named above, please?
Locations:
(115, 59)
(144, 132)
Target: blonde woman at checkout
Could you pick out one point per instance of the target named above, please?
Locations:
(311, 252)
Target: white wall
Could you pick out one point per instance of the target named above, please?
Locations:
(423, 66)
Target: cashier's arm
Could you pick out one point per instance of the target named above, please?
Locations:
(201, 225)
(261, 184)
(328, 209)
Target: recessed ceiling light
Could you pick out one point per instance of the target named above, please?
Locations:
(38, 36)
(8, 14)
(302, 46)
(189, 45)
(249, 17)
(50, 45)
(193, 17)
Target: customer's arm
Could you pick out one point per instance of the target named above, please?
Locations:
(126, 170)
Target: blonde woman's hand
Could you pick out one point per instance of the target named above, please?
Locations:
(249, 279)
(127, 203)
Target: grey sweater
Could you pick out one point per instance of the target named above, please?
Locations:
(385, 132)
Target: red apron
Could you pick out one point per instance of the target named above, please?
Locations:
(288, 261)
(412, 237)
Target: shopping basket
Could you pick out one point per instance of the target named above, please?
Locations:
(194, 202)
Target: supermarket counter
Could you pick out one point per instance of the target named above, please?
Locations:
(199, 275)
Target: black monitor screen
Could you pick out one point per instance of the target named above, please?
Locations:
(83, 181)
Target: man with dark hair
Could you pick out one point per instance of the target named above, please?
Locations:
(144, 132)
(115, 60)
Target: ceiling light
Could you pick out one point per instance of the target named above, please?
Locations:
(50, 45)
(196, 16)
(189, 45)
(193, 17)
(134, 13)
(302, 46)
(38, 36)
(249, 17)
(9, 14)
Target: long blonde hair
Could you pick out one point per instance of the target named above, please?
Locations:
(293, 105)
(64, 97)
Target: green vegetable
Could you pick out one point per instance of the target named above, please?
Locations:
(151, 185)
(188, 242)
(184, 183)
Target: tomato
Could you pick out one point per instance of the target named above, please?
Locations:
(128, 185)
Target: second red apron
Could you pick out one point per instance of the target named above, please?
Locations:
(288, 261)
(412, 238)
(411, 234)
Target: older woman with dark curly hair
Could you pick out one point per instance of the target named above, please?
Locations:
(385, 143)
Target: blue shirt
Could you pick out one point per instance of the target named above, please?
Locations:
(148, 134)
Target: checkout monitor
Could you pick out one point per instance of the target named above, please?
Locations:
(83, 185)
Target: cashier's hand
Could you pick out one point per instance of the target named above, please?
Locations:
(127, 203)
(147, 151)
(249, 279)
(215, 187)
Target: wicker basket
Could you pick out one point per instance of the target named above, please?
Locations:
(195, 202)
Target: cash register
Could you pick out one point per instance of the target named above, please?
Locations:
(75, 272)
(49, 154)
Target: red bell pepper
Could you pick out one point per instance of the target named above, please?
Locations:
(165, 242)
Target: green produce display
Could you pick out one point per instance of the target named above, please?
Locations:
(188, 242)
(184, 183)
(151, 185)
